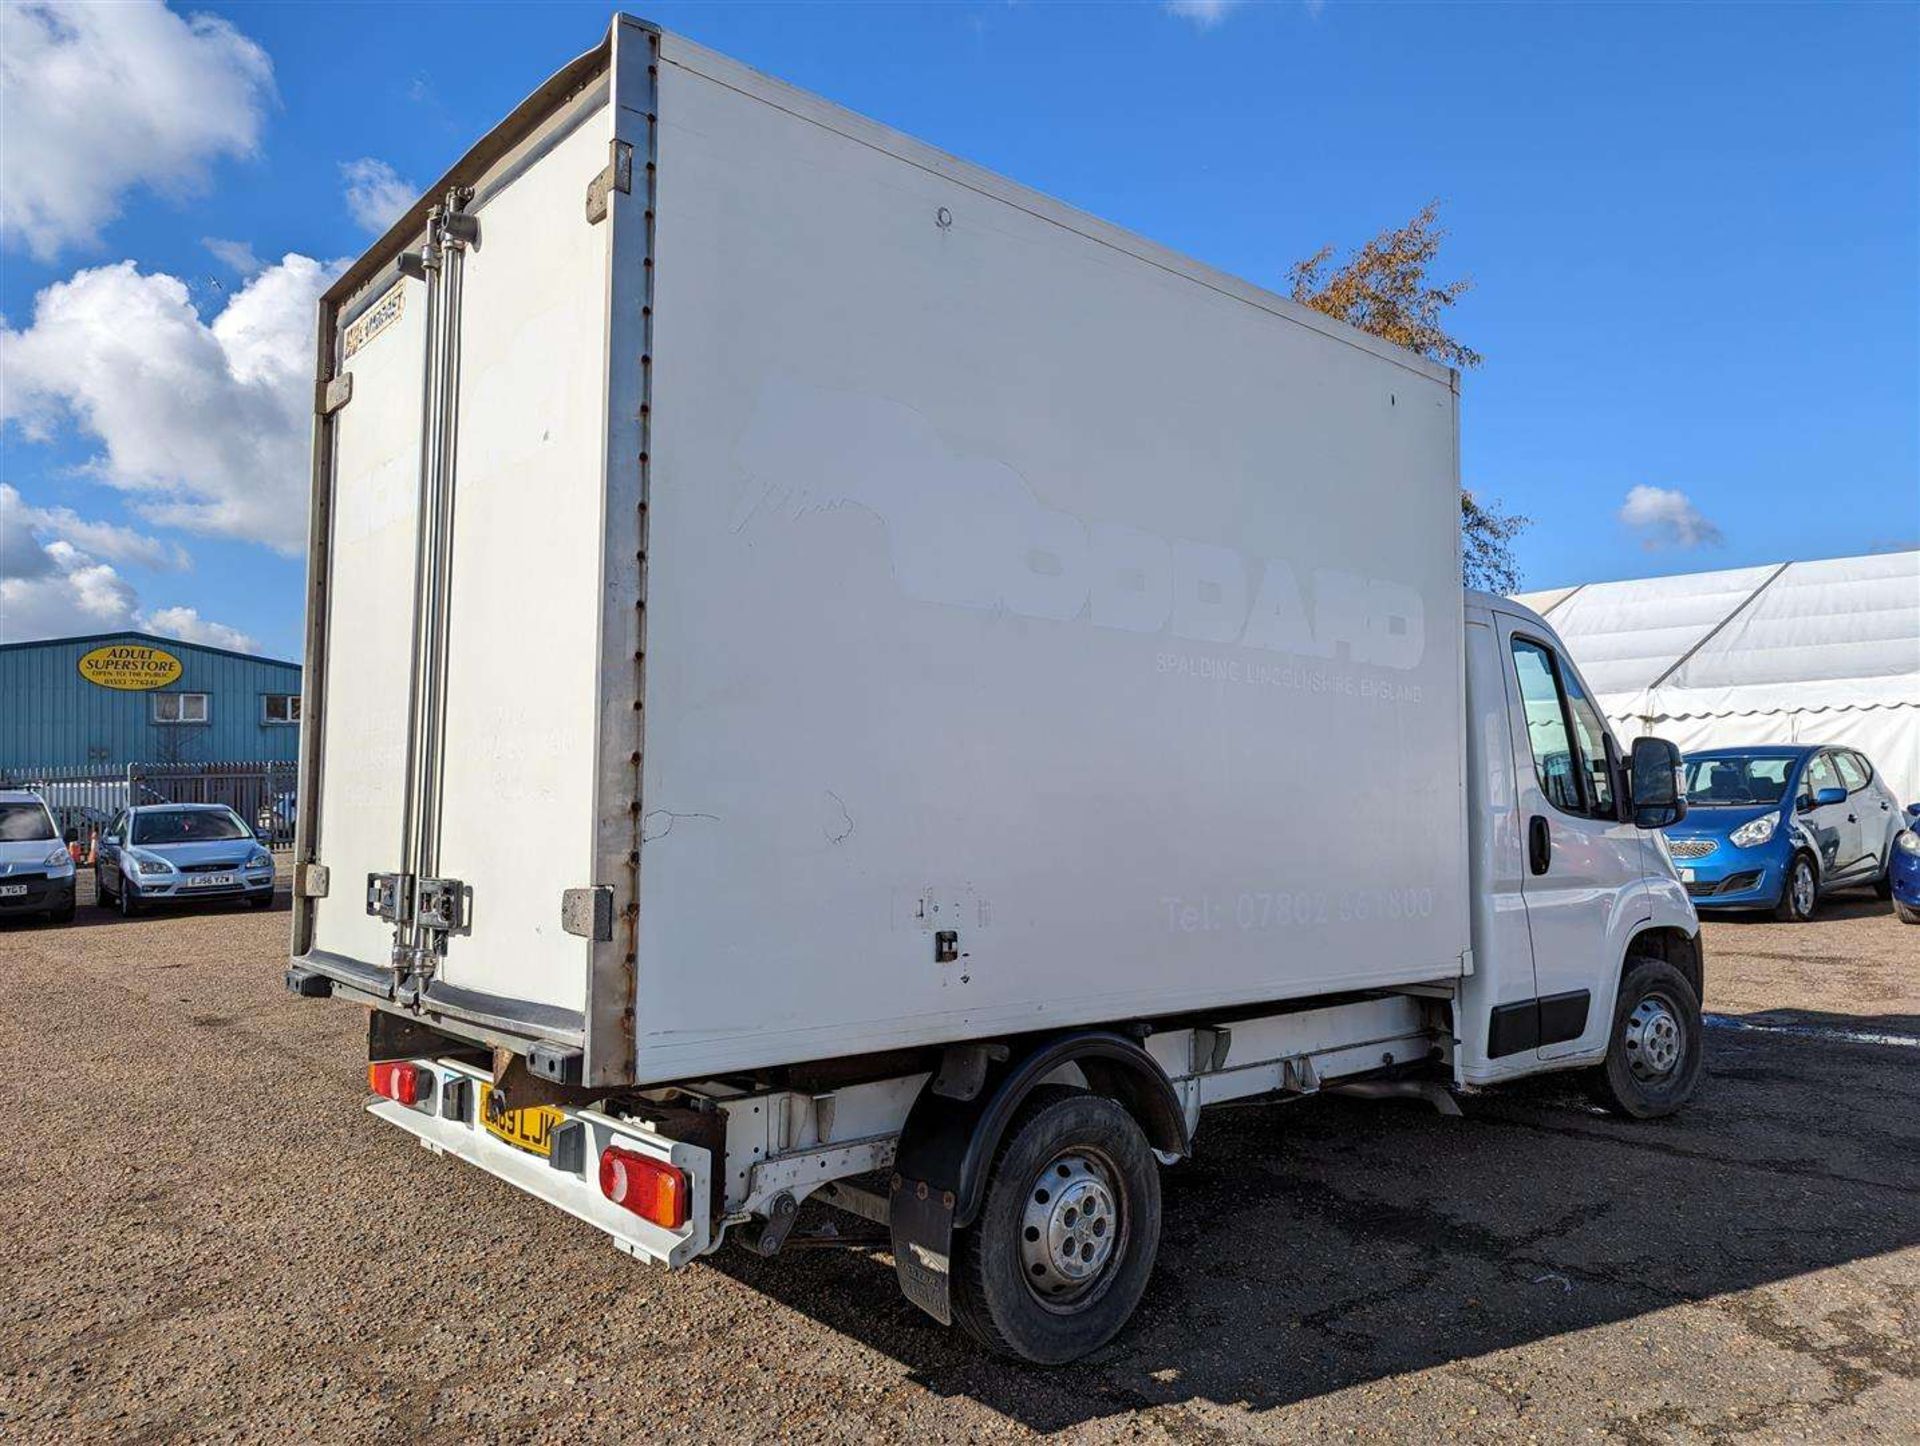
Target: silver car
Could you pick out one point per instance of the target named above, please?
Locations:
(179, 852)
(36, 871)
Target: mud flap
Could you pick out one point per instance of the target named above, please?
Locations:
(920, 1216)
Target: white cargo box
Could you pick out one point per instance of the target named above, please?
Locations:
(846, 600)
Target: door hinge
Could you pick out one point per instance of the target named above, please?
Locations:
(333, 394)
(617, 176)
(310, 881)
(588, 913)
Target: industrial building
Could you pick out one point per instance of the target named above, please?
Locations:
(112, 699)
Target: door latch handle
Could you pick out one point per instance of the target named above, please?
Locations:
(1539, 845)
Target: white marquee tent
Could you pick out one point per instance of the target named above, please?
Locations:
(1795, 652)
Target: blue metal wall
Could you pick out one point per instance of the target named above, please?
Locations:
(51, 716)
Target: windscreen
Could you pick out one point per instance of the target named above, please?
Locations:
(1736, 781)
(184, 825)
(24, 823)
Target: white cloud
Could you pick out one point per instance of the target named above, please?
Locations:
(1667, 517)
(102, 98)
(187, 625)
(236, 256)
(98, 539)
(376, 194)
(206, 425)
(1205, 14)
(51, 588)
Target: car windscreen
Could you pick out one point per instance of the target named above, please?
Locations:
(1737, 780)
(25, 823)
(187, 825)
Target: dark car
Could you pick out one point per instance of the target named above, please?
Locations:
(1779, 828)
(180, 852)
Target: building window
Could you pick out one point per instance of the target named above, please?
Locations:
(180, 708)
(280, 707)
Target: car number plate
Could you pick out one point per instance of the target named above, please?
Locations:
(1686, 876)
(210, 881)
(12, 891)
(529, 1128)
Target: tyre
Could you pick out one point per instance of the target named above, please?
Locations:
(1883, 885)
(1908, 913)
(62, 915)
(102, 895)
(1799, 892)
(128, 900)
(263, 901)
(1657, 1046)
(1060, 1254)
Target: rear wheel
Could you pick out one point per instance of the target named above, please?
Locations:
(1061, 1252)
(1654, 1055)
(1800, 893)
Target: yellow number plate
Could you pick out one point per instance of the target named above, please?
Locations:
(530, 1128)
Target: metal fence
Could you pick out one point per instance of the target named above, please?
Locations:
(85, 797)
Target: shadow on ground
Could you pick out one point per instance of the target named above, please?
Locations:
(1314, 1246)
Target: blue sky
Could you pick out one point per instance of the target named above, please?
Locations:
(1694, 233)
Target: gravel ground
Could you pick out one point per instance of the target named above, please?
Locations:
(209, 1240)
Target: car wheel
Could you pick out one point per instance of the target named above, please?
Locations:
(1060, 1254)
(128, 900)
(1883, 885)
(1908, 913)
(102, 895)
(1800, 893)
(263, 901)
(1654, 1055)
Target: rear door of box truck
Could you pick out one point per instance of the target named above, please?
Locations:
(475, 576)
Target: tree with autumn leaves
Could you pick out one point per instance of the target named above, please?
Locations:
(1383, 288)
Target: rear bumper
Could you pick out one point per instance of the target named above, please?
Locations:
(448, 1123)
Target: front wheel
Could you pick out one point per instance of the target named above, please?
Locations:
(1908, 913)
(1061, 1252)
(1800, 893)
(1654, 1056)
(129, 902)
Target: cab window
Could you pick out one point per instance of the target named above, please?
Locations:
(1591, 734)
(1555, 762)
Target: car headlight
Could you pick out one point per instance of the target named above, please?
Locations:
(153, 866)
(1755, 831)
(1907, 841)
(58, 862)
(261, 859)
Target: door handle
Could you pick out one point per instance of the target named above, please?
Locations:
(1539, 844)
(1853, 818)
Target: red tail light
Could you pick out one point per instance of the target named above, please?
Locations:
(649, 1189)
(406, 1083)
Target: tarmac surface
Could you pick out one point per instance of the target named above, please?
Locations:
(208, 1239)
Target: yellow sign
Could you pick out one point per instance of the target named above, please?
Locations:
(130, 666)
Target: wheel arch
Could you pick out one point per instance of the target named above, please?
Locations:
(1677, 947)
(947, 1146)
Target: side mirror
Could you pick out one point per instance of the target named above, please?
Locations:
(1827, 797)
(1913, 812)
(1659, 795)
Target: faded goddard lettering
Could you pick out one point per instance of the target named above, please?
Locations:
(969, 532)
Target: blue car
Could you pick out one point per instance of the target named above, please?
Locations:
(177, 853)
(1904, 876)
(1780, 828)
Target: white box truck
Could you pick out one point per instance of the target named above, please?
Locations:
(832, 675)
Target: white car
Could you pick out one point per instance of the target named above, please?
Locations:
(36, 871)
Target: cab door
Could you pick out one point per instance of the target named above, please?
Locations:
(1835, 826)
(1584, 865)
